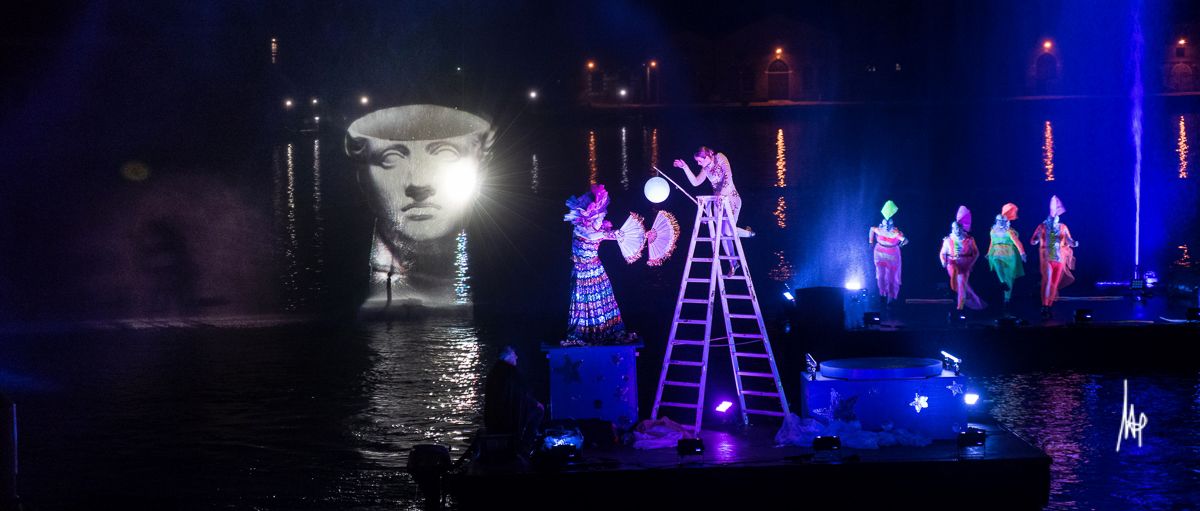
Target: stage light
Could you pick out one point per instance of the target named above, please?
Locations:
(622, 92)
(811, 366)
(287, 103)
(871, 319)
(827, 443)
(1047, 44)
(788, 295)
(1083, 316)
(656, 189)
(532, 94)
(970, 398)
(461, 181)
(854, 285)
(363, 100)
(724, 406)
(689, 447)
(951, 362)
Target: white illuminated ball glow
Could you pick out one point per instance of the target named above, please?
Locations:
(657, 189)
(461, 181)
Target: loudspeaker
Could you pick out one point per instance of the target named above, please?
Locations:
(821, 308)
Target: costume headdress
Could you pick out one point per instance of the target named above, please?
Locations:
(889, 209)
(963, 217)
(1009, 211)
(585, 208)
(1056, 206)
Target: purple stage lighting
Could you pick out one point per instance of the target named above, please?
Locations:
(724, 406)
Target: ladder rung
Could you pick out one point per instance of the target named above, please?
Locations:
(689, 343)
(763, 412)
(686, 363)
(760, 393)
(737, 297)
(694, 300)
(747, 336)
(739, 277)
(696, 280)
(730, 258)
(702, 259)
(743, 316)
(702, 239)
(691, 321)
(682, 384)
(754, 355)
(757, 375)
(677, 405)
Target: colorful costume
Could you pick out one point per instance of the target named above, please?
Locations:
(1006, 255)
(594, 316)
(958, 256)
(1056, 251)
(887, 240)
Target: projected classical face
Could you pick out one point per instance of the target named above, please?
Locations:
(422, 168)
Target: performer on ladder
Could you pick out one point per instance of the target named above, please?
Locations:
(594, 316)
(714, 167)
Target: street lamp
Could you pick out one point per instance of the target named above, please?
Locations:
(1047, 44)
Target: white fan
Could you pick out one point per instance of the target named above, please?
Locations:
(631, 237)
(661, 238)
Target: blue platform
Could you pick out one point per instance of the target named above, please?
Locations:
(594, 382)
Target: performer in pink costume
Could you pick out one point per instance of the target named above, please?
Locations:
(715, 168)
(958, 256)
(1056, 251)
(887, 240)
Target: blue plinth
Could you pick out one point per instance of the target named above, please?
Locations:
(877, 393)
(594, 382)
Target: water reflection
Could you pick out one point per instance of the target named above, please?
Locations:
(318, 245)
(462, 288)
(291, 248)
(593, 169)
(780, 160)
(652, 145)
(783, 270)
(1048, 150)
(1181, 148)
(624, 159)
(533, 174)
(781, 212)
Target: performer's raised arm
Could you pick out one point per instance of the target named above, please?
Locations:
(693, 178)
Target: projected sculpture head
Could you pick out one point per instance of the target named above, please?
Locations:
(420, 169)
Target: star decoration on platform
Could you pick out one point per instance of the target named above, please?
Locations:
(956, 388)
(919, 402)
(570, 370)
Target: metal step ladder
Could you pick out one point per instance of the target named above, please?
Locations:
(685, 365)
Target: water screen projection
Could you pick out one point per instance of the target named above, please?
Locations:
(419, 170)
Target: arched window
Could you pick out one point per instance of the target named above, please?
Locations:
(777, 79)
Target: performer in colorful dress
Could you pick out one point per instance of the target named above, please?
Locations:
(1006, 255)
(958, 256)
(594, 316)
(1056, 251)
(887, 240)
(715, 168)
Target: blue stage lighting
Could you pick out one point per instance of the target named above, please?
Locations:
(970, 398)
(788, 295)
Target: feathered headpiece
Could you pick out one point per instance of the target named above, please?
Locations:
(585, 208)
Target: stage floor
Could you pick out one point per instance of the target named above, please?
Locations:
(746, 468)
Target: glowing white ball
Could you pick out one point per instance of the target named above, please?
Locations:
(657, 189)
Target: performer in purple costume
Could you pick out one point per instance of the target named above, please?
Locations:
(594, 316)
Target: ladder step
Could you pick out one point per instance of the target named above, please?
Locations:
(763, 412)
(686, 363)
(754, 355)
(730, 258)
(689, 343)
(682, 384)
(691, 321)
(759, 393)
(738, 297)
(743, 316)
(748, 336)
(694, 300)
(678, 405)
(754, 374)
(702, 259)
(691, 280)
(702, 239)
(738, 277)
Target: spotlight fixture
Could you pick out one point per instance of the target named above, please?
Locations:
(951, 362)
(970, 398)
(871, 319)
(971, 437)
(690, 447)
(811, 366)
(788, 295)
(827, 443)
(724, 406)
(1083, 316)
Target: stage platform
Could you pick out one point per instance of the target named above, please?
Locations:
(746, 470)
